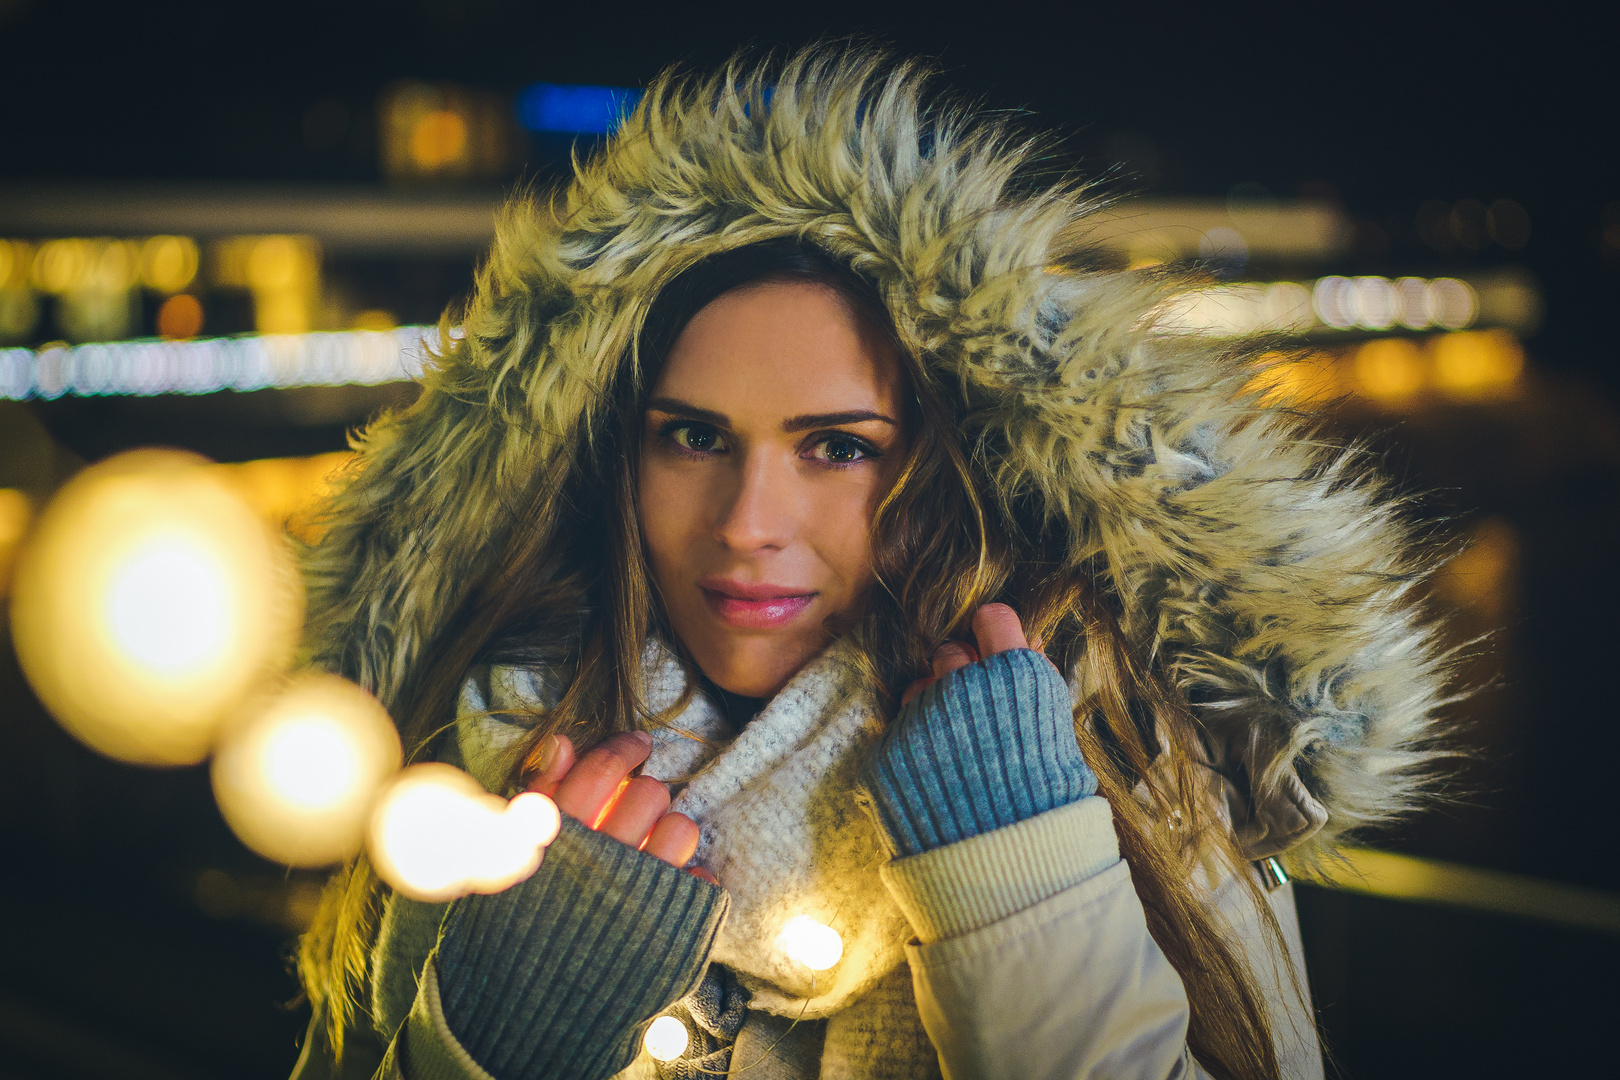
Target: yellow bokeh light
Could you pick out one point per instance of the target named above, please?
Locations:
(666, 1039)
(1389, 370)
(296, 776)
(438, 138)
(1478, 364)
(814, 944)
(146, 604)
(276, 262)
(16, 512)
(436, 834)
(168, 263)
(60, 265)
(115, 267)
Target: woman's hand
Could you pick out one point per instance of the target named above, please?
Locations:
(597, 791)
(996, 629)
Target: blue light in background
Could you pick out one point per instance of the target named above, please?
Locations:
(574, 110)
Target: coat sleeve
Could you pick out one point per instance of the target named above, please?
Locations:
(1033, 958)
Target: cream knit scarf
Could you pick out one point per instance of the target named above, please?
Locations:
(782, 832)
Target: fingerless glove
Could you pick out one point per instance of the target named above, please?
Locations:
(989, 745)
(557, 977)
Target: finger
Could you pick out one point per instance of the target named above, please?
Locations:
(674, 839)
(699, 872)
(1038, 643)
(997, 629)
(595, 779)
(913, 690)
(554, 757)
(633, 814)
(950, 656)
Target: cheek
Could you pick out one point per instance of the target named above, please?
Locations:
(667, 510)
(841, 524)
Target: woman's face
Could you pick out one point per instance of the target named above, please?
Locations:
(771, 435)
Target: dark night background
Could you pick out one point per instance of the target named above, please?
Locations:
(121, 962)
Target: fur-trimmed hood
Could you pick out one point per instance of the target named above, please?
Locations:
(1268, 573)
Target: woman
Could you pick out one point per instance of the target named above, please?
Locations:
(793, 456)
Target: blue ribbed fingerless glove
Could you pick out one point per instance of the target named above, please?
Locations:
(558, 976)
(991, 744)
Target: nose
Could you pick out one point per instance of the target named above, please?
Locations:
(760, 513)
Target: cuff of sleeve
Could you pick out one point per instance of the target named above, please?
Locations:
(425, 1048)
(972, 883)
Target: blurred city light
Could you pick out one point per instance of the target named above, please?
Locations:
(436, 834)
(180, 317)
(1346, 303)
(575, 110)
(282, 272)
(1389, 370)
(297, 775)
(147, 602)
(284, 491)
(441, 131)
(812, 943)
(16, 513)
(1478, 365)
(141, 368)
(168, 263)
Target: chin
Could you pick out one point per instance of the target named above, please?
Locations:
(755, 667)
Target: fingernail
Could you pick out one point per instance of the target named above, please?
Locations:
(544, 754)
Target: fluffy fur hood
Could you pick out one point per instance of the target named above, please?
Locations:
(1270, 573)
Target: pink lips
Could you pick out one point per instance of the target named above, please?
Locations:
(754, 607)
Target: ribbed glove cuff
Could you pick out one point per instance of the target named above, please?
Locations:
(989, 745)
(556, 977)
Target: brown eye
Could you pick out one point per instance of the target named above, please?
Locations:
(697, 438)
(843, 450)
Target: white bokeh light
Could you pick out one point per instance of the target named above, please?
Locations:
(666, 1039)
(810, 942)
(435, 834)
(169, 603)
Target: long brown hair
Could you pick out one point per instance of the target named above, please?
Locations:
(578, 595)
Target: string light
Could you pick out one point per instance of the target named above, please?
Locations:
(147, 602)
(296, 777)
(666, 1039)
(436, 835)
(814, 944)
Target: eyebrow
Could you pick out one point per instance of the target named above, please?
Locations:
(792, 423)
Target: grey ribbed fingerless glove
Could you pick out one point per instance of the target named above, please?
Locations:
(556, 977)
(991, 744)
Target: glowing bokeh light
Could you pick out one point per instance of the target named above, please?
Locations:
(1455, 303)
(438, 139)
(666, 1039)
(436, 834)
(1389, 369)
(814, 944)
(180, 316)
(1478, 364)
(169, 603)
(169, 263)
(296, 776)
(60, 265)
(147, 602)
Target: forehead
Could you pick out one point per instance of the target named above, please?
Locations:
(782, 349)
